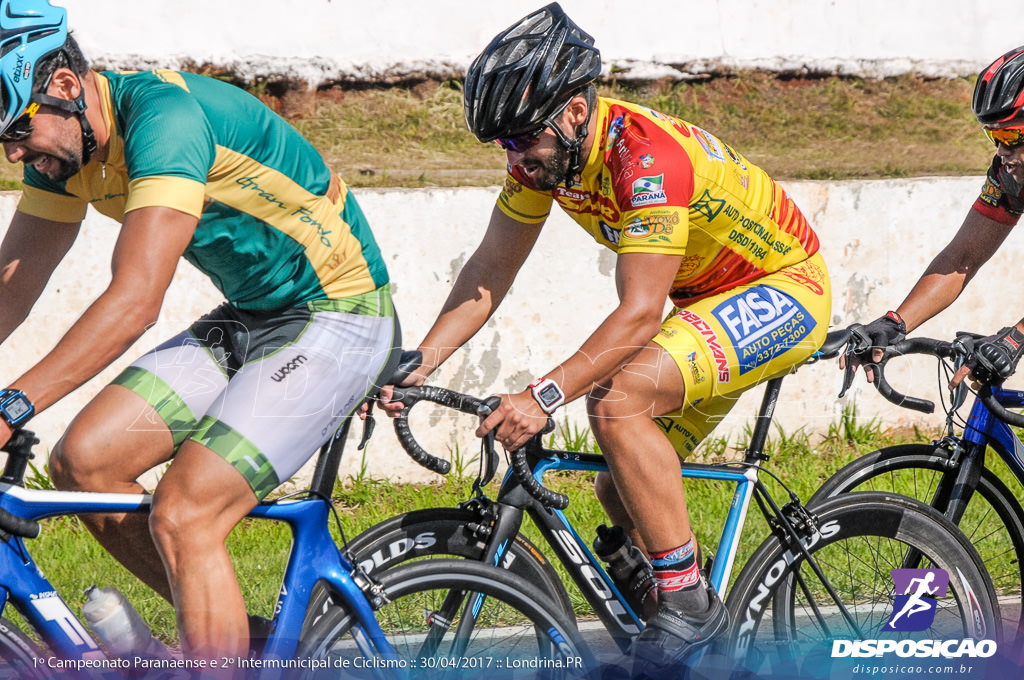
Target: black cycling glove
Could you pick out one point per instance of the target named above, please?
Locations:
(995, 357)
(879, 334)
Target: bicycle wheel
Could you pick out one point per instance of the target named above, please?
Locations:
(443, 532)
(19, 657)
(512, 632)
(784, 621)
(993, 520)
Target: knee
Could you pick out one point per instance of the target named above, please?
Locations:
(175, 523)
(599, 408)
(76, 463)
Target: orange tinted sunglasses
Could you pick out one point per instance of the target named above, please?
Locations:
(1011, 137)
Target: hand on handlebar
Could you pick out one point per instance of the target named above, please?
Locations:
(994, 359)
(869, 342)
(516, 419)
(393, 408)
(410, 372)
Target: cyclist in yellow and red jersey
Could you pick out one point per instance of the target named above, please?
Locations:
(689, 218)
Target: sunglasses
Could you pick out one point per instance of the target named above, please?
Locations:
(1010, 137)
(21, 128)
(521, 143)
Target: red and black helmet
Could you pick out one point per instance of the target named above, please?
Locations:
(528, 73)
(999, 93)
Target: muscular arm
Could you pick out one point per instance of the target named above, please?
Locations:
(643, 281)
(31, 250)
(952, 269)
(479, 289)
(145, 256)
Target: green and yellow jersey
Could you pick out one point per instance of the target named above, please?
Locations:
(277, 227)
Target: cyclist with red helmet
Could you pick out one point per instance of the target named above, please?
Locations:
(689, 218)
(192, 168)
(998, 104)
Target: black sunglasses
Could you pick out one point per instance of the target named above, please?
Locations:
(21, 128)
(522, 142)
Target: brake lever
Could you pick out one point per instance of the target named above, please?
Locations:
(848, 372)
(488, 455)
(369, 423)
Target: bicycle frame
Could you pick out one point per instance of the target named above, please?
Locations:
(314, 556)
(954, 490)
(586, 570)
(985, 429)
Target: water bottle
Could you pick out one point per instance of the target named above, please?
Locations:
(629, 569)
(118, 625)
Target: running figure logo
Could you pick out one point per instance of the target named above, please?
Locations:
(917, 590)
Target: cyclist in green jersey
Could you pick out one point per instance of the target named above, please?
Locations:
(192, 168)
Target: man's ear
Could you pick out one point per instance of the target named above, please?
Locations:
(577, 110)
(65, 84)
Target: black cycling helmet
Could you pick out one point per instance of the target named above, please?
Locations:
(999, 92)
(528, 73)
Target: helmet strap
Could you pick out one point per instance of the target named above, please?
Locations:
(574, 146)
(76, 107)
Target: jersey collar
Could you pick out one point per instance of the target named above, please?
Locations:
(594, 159)
(115, 144)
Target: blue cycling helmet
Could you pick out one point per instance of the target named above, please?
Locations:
(29, 31)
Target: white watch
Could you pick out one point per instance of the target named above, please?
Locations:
(548, 394)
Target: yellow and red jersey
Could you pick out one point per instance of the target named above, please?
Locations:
(656, 184)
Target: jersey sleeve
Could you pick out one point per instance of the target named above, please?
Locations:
(995, 201)
(169, 149)
(45, 198)
(653, 200)
(523, 203)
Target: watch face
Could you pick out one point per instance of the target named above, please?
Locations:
(549, 394)
(17, 408)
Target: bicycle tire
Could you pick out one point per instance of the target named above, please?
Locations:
(993, 520)
(19, 656)
(515, 633)
(440, 533)
(862, 537)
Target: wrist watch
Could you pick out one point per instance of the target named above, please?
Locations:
(548, 394)
(15, 408)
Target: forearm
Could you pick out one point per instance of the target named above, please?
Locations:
(107, 328)
(932, 294)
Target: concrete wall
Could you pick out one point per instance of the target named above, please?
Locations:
(324, 40)
(877, 237)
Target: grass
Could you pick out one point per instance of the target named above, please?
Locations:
(72, 559)
(821, 128)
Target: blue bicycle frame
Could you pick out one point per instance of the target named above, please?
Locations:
(314, 556)
(728, 546)
(983, 429)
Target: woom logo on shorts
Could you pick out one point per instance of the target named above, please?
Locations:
(283, 372)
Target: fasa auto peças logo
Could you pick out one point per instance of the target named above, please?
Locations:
(916, 596)
(763, 322)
